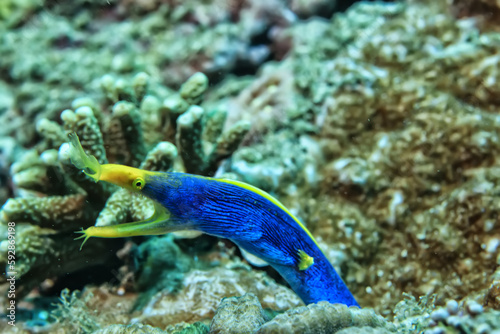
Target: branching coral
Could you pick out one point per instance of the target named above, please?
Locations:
(64, 47)
(46, 207)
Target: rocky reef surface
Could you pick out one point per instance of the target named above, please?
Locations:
(378, 127)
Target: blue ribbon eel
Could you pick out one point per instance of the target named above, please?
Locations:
(246, 215)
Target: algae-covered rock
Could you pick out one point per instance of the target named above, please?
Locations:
(238, 315)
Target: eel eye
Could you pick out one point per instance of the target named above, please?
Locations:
(138, 183)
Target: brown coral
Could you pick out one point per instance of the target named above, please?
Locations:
(51, 209)
(202, 291)
(238, 315)
(323, 318)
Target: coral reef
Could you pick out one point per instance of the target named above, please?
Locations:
(46, 208)
(125, 329)
(408, 130)
(323, 318)
(378, 128)
(177, 304)
(159, 265)
(469, 318)
(74, 312)
(202, 291)
(238, 315)
(412, 316)
(66, 48)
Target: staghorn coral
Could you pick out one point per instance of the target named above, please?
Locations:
(48, 208)
(193, 151)
(323, 318)
(63, 46)
(43, 214)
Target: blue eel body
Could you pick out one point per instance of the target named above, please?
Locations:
(246, 215)
(255, 223)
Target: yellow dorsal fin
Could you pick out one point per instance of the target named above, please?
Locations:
(305, 260)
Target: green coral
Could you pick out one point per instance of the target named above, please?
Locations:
(73, 313)
(161, 265)
(412, 315)
(324, 318)
(183, 328)
(132, 329)
(109, 132)
(238, 315)
(14, 12)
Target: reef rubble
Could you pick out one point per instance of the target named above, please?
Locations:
(378, 127)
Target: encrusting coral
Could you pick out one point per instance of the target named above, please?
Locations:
(186, 295)
(323, 317)
(238, 315)
(202, 290)
(409, 132)
(469, 317)
(132, 329)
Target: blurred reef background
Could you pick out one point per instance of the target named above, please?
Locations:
(376, 123)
